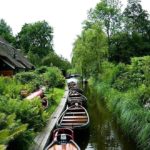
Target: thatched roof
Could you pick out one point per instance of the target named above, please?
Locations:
(13, 56)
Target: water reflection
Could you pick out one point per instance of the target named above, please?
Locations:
(104, 132)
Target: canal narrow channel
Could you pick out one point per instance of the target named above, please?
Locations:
(104, 133)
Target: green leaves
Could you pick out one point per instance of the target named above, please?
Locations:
(4, 136)
(134, 75)
(6, 31)
(89, 51)
(54, 78)
(36, 40)
(10, 128)
(126, 91)
(2, 147)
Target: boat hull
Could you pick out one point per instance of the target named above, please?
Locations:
(75, 117)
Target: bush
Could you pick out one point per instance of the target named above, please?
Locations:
(41, 70)
(132, 76)
(54, 78)
(31, 78)
(10, 128)
(30, 112)
(29, 117)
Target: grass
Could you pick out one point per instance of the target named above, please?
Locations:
(54, 98)
(125, 89)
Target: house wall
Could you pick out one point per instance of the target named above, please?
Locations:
(5, 70)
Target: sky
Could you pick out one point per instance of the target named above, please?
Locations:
(65, 16)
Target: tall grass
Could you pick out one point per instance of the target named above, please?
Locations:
(125, 89)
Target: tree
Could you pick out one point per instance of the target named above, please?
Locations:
(136, 20)
(36, 38)
(52, 59)
(6, 31)
(109, 13)
(90, 49)
(134, 38)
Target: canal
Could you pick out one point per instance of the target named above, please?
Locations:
(103, 133)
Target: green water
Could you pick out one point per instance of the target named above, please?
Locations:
(104, 133)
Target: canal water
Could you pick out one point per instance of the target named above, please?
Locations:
(103, 133)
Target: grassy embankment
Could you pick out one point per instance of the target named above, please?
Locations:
(126, 91)
(20, 119)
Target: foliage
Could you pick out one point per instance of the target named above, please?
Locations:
(41, 70)
(126, 91)
(54, 98)
(25, 111)
(28, 116)
(90, 49)
(128, 32)
(10, 87)
(52, 59)
(71, 71)
(133, 75)
(31, 78)
(10, 128)
(36, 39)
(6, 31)
(54, 78)
(108, 12)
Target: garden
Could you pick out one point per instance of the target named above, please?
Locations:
(22, 119)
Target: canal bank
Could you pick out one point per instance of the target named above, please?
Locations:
(104, 132)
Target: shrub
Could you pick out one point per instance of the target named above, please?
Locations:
(41, 70)
(29, 78)
(133, 75)
(28, 117)
(10, 128)
(30, 112)
(54, 78)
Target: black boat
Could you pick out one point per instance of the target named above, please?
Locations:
(75, 117)
(75, 98)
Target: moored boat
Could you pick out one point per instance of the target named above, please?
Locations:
(80, 100)
(74, 93)
(75, 97)
(39, 93)
(63, 139)
(77, 89)
(75, 117)
(72, 85)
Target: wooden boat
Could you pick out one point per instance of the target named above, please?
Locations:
(75, 117)
(75, 97)
(80, 100)
(75, 93)
(77, 90)
(39, 93)
(72, 85)
(63, 139)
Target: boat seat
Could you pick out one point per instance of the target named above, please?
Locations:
(71, 124)
(71, 117)
(75, 113)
